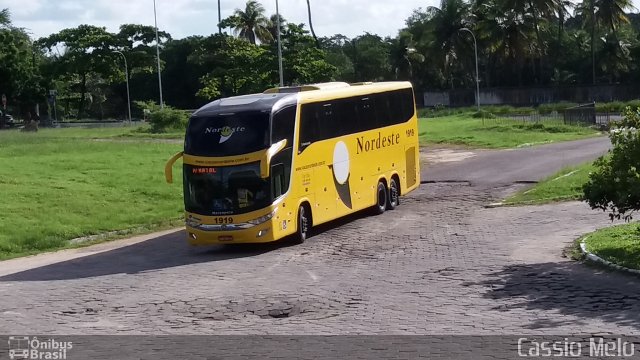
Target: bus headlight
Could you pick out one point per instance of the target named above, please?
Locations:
(263, 219)
(193, 221)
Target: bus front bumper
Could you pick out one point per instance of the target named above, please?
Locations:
(258, 234)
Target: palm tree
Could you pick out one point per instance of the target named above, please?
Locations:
(5, 18)
(508, 35)
(444, 24)
(272, 26)
(610, 13)
(403, 55)
(251, 24)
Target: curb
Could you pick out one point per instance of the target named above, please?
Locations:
(595, 258)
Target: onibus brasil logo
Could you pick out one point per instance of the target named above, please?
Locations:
(24, 347)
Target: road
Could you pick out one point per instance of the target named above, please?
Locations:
(442, 263)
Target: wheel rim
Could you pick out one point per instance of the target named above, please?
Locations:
(382, 196)
(303, 222)
(394, 193)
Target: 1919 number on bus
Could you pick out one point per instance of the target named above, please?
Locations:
(224, 220)
(410, 133)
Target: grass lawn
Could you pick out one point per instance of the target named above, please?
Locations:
(618, 244)
(59, 184)
(496, 133)
(565, 185)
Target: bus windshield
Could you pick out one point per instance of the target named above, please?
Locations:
(225, 190)
(228, 134)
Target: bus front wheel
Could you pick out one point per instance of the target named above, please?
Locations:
(304, 222)
(381, 198)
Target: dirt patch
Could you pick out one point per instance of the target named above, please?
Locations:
(435, 156)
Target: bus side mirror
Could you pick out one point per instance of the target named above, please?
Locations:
(168, 168)
(265, 162)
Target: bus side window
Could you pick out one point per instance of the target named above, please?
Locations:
(278, 180)
(309, 119)
(283, 125)
(366, 114)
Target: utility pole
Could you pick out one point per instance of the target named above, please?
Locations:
(126, 74)
(155, 17)
(475, 46)
(279, 46)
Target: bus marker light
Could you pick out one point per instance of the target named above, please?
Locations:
(262, 233)
(193, 236)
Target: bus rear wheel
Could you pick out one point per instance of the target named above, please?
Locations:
(381, 198)
(394, 194)
(303, 224)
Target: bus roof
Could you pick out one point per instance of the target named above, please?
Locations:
(253, 102)
(305, 93)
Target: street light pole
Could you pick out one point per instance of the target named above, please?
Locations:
(475, 46)
(155, 17)
(279, 46)
(219, 19)
(126, 74)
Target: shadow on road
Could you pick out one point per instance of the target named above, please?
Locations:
(568, 288)
(158, 253)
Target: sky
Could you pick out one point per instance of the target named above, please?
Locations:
(182, 18)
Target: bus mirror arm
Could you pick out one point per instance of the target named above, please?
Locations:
(265, 163)
(168, 168)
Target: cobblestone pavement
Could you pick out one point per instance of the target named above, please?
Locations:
(441, 263)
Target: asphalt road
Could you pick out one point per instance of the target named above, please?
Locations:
(503, 167)
(442, 263)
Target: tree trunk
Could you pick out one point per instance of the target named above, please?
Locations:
(311, 24)
(593, 42)
(83, 90)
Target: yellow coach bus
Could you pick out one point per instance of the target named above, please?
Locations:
(259, 167)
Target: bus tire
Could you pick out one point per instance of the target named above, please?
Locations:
(303, 224)
(381, 198)
(393, 200)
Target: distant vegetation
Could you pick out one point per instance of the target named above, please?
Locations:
(521, 44)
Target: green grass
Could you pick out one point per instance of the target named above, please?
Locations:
(618, 244)
(563, 186)
(496, 134)
(60, 184)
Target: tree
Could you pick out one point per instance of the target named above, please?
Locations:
(20, 79)
(236, 67)
(85, 51)
(303, 61)
(250, 24)
(370, 57)
(614, 186)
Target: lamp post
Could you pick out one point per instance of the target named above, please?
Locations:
(279, 46)
(219, 19)
(475, 46)
(155, 18)
(126, 74)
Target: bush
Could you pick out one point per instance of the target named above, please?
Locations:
(615, 184)
(168, 118)
(633, 104)
(612, 107)
(483, 114)
(559, 107)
